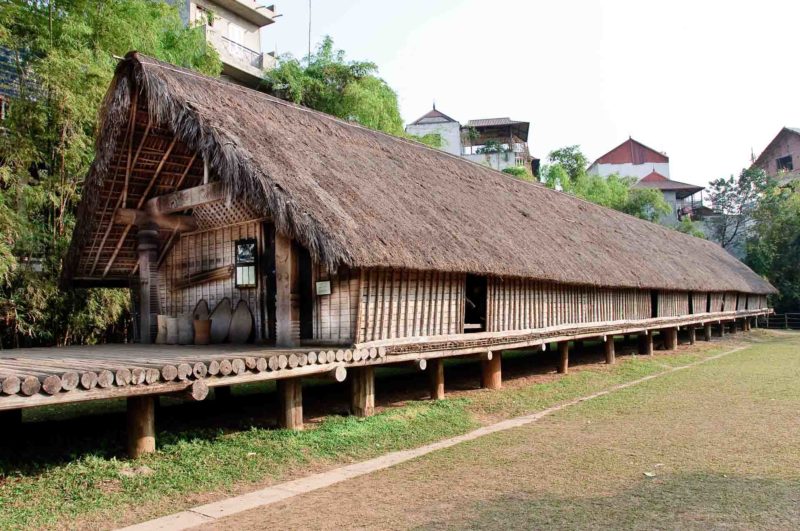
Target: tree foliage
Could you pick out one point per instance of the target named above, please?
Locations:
(773, 244)
(735, 199)
(567, 172)
(64, 53)
(328, 82)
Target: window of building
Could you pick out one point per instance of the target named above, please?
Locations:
(785, 163)
(246, 263)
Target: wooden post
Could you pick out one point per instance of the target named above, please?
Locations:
(733, 327)
(563, 352)
(707, 332)
(362, 399)
(287, 307)
(437, 378)
(491, 374)
(692, 335)
(290, 395)
(148, 287)
(721, 329)
(670, 338)
(609, 348)
(141, 426)
(646, 343)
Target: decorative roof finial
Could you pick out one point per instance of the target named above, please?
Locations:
(434, 105)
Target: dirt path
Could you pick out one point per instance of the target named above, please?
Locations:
(714, 446)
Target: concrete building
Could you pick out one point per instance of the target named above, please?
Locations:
(495, 142)
(651, 169)
(781, 158)
(233, 28)
(438, 123)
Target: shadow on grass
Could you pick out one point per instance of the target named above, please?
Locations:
(677, 501)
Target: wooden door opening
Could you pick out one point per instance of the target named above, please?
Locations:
(653, 303)
(475, 304)
(268, 283)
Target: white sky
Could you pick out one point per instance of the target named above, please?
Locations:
(704, 81)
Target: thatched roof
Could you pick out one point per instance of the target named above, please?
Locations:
(361, 198)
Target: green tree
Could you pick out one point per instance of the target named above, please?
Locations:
(773, 244)
(520, 172)
(328, 82)
(687, 226)
(567, 172)
(735, 199)
(64, 57)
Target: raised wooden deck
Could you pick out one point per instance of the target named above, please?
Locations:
(46, 376)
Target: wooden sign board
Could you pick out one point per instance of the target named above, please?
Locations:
(324, 287)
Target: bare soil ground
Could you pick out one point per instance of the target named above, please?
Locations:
(713, 447)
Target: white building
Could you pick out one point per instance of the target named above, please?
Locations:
(233, 28)
(495, 142)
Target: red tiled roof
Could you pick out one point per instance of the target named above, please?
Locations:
(632, 152)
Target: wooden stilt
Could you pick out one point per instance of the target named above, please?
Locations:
(563, 352)
(722, 330)
(290, 412)
(491, 375)
(646, 343)
(141, 426)
(610, 351)
(707, 332)
(670, 338)
(436, 370)
(362, 402)
(692, 335)
(733, 326)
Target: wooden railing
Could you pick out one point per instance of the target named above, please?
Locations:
(784, 321)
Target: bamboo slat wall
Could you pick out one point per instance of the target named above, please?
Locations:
(730, 301)
(673, 303)
(521, 304)
(699, 302)
(204, 251)
(410, 303)
(335, 314)
(717, 299)
(756, 302)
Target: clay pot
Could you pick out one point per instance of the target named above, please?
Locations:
(202, 331)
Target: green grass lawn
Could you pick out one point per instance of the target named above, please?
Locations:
(716, 446)
(73, 471)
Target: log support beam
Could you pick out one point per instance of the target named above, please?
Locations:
(609, 349)
(148, 289)
(721, 329)
(733, 326)
(491, 372)
(362, 397)
(646, 343)
(290, 395)
(670, 338)
(141, 426)
(692, 335)
(436, 372)
(707, 332)
(563, 355)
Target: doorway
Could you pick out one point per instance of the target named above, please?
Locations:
(475, 304)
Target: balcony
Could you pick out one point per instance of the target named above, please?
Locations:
(250, 10)
(239, 62)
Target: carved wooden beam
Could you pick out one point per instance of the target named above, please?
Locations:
(130, 216)
(186, 199)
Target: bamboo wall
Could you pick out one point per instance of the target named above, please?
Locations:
(757, 302)
(520, 304)
(204, 251)
(410, 303)
(699, 302)
(717, 298)
(335, 315)
(729, 303)
(673, 303)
